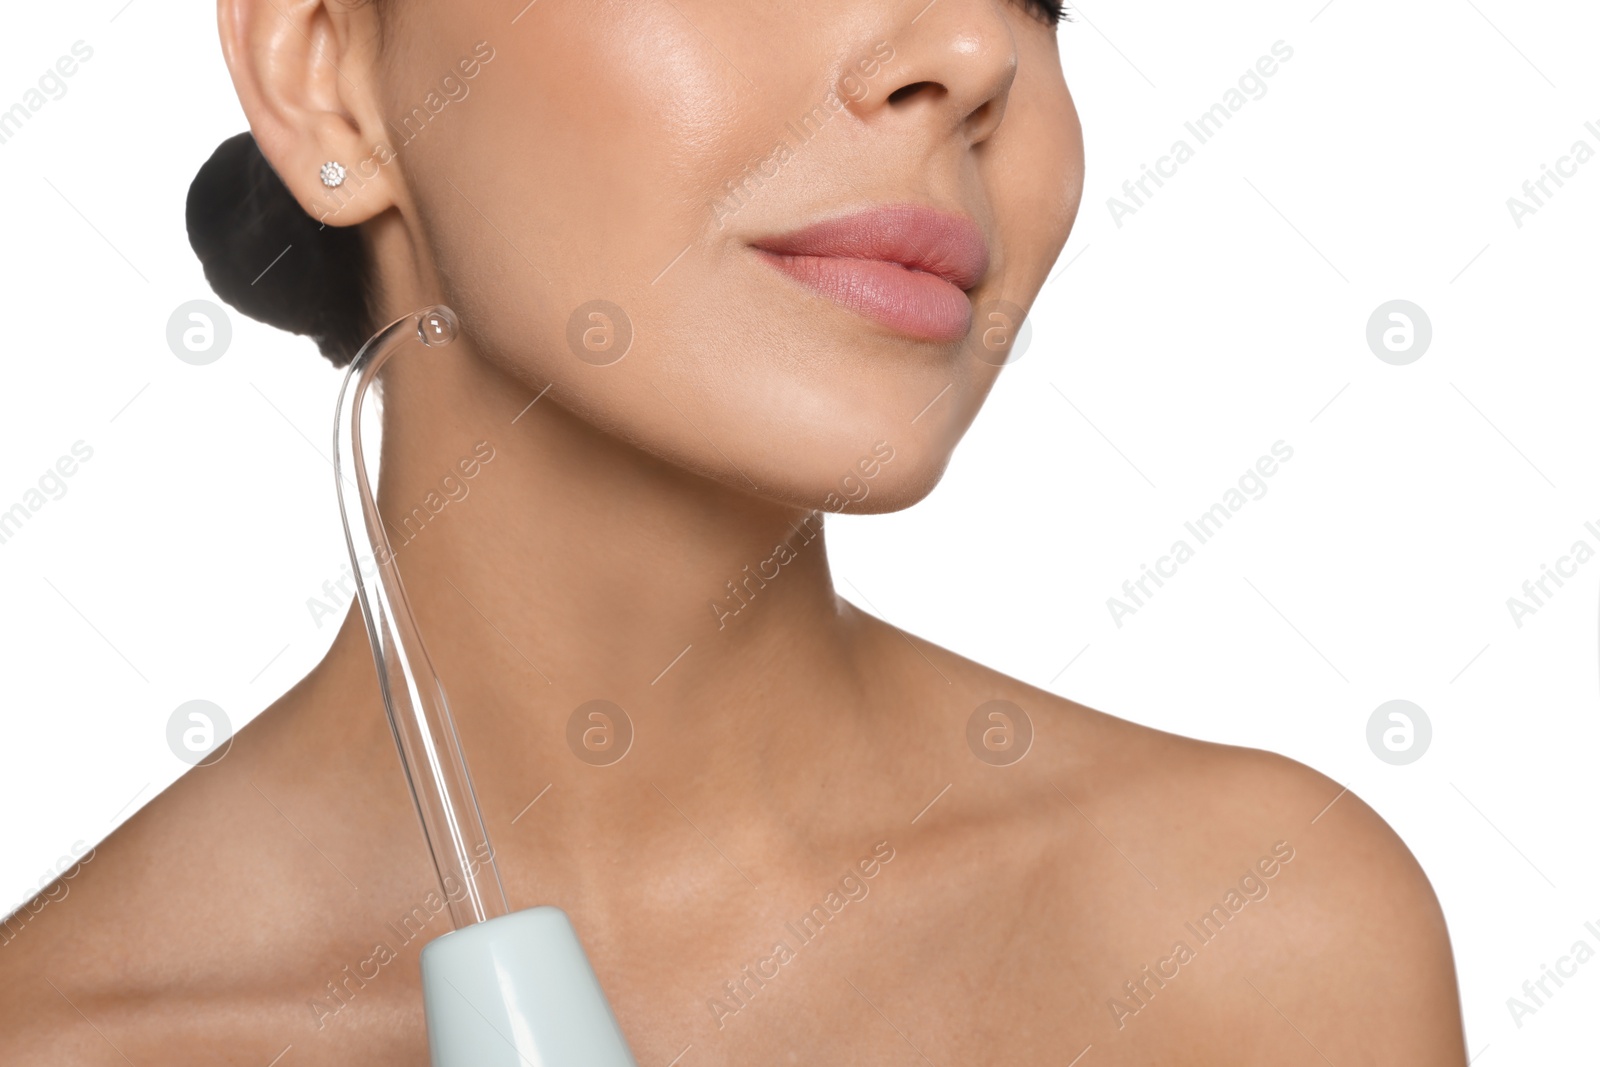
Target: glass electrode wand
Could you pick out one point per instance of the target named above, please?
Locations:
(503, 988)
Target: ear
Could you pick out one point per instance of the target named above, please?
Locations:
(305, 72)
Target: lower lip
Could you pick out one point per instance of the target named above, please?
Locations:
(919, 305)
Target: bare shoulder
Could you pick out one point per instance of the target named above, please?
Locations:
(132, 920)
(1239, 896)
(1300, 908)
(201, 924)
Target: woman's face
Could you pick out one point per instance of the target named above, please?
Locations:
(633, 167)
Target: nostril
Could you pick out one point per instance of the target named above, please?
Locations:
(906, 91)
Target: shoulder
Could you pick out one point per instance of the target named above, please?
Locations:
(1300, 907)
(1345, 924)
(1303, 908)
(126, 922)
(139, 946)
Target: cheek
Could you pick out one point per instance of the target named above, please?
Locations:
(584, 161)
(1037, 180)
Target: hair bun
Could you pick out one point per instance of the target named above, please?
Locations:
(269, 259)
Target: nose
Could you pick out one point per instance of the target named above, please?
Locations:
(953, 66)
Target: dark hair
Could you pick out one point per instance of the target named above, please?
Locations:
(269, 259)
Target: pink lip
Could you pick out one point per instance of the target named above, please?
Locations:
(904, 265)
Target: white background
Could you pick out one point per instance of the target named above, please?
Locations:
(1167, 355)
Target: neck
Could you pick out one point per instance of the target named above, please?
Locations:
(550, 564)
(598, 562)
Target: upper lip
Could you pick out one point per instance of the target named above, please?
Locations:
(918, 238)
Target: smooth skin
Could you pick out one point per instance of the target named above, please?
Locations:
(773, 749)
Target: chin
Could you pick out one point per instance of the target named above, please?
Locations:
(846, 477)
(889, 494)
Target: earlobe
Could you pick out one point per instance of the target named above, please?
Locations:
(303, 70)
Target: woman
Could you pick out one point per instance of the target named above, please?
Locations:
(721, 267)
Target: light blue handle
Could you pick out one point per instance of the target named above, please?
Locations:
(517, 991)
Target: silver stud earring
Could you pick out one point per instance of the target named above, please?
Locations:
(332, 174)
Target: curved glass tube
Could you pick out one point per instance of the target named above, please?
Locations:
(419, 715)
